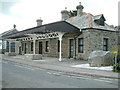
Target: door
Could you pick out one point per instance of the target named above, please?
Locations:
(71, 48)
(40, 47)
(25, 48)
(20, 50)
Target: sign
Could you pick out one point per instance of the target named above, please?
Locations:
(115, 52)
(19, 40)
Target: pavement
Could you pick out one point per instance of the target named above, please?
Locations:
(65, 66)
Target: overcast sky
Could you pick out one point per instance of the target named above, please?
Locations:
(24, 13)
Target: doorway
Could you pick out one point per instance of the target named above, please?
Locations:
(20, 50)
(71, 48)
(40, 47)
(25, 48)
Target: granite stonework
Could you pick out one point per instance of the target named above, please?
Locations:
(33, 57)
(92, 28)
(17, 47)
(100, 58)
(93, 40)
(10, 54)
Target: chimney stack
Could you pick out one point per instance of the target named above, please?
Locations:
(39, 22)
(14, 26)
(79, 9)
(65, 14)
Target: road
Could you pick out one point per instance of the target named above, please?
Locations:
(21, 76)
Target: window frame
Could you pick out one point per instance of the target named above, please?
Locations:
(105, 44)
(47, 46)
(80, 45)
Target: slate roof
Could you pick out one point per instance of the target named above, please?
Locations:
(87, 21)
(71, 25)
(8, 32)
(60, 26)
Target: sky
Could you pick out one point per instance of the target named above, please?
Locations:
(24, 13)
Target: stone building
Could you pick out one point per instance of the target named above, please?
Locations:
(72, 37)
(4, 41)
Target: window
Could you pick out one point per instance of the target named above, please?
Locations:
(47, 47)
(80, 45)
(58, 46)
(7, 47)
(105, 44)
(31, 46)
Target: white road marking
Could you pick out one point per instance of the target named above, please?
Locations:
(24, 67)
(109, 79)
(103, 80)
(55, 73)
(78, 77)
(49, 72)
(83, 77)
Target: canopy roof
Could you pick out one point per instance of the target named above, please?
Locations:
(60, 26)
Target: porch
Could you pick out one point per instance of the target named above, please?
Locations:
(36, 40)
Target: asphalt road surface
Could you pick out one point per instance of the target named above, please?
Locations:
(21, 76)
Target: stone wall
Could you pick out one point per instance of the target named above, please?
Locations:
(17, 45)
(93, 40)
(28, 47)
(53, 47)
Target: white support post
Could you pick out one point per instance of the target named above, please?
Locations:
(60, 39)
(34, 46)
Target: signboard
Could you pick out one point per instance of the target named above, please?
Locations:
(19, 40)
(115, 52)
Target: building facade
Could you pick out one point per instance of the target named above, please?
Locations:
(72, 37)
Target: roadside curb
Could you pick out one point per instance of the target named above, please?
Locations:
(67, 72)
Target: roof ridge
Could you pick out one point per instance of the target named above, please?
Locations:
(110, 26)
(87, 13)
(99, 15)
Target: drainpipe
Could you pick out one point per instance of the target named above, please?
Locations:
(9, 47)
(75, 47)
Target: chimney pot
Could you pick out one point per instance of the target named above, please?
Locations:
(39, 22)
(79, 9)
(65, 14)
